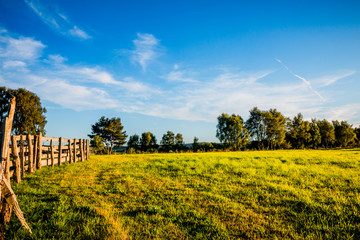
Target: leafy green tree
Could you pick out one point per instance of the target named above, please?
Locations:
(179, 142)
(97, 143)
(29, 117)
(111, 132)
(357, 132)
(231, 131)
(275, 124)
(315, 140)
(168, 141)
(327, 132)
(298, 133)
(134, 142)
(256, 127)
(344, 133)
(148, 141)
(195, 145)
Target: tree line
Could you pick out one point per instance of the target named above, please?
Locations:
(272, 130)
(262, 130)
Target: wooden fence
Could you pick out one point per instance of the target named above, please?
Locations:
(29, 153)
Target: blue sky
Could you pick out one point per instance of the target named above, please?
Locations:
(177, 65)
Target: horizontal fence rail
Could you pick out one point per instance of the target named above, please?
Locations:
(31, 152)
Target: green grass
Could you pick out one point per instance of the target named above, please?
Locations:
(297, 194)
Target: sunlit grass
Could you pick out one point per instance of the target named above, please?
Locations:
(263, 194)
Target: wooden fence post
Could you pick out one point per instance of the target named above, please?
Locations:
(35, 146)
(81, 150)
(52, 153)
(7, 169)
(75, 150)
(16, 159)
(22, 156)
(70, 154)
(87, 149)
(39, 155)
(30, 165)
(60, 151)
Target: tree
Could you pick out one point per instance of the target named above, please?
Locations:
(195, 145)
(111, 132)
(134, 142)
(231, 131)
(315, 139)
(357, 132)
(327, 132)
(29, 115)
(275, 124)
(179, 142)
(168, 141)
(344, 133)
(256, 126)
(148, 141)
(298, 133)
(97, 143)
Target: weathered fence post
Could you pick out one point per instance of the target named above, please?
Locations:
(74, 150)
(16, 159)
(7, 169)
(39, 155)
(35, 152)
(87, 150)
(7, 195)
(81, 150)
(70, 155)
(52, 153)
(60, 151)
(22, 156)
(31, 156)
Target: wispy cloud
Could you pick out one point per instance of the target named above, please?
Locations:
(301, 78)
(22, 48)
(146, 46)
(57, 21)
(331, 79)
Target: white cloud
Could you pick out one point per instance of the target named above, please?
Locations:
(145, 49)
(331, 79)
(22, 48)
(13, 64)
(57, 21)
(77, 32)
(178, 76)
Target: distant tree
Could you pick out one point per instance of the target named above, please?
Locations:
(111, 132)
(327, 132)
(168, 141)
(98, 145)
(315, 139)
(275, 124)
(256, 127)
(344, 133)
(148, 141)
(179, 142)
(357, 132)
(134, 142)
(231, 131)
(195, 145)
(298, 133)
(29, 115)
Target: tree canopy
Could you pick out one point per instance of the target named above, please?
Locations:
(231, 131)
(111, 132)
(29, 115)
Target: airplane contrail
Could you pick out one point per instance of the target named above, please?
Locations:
(301, 78)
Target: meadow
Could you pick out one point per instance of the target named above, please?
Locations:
(287, 194)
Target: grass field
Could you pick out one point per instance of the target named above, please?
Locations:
(297, 194)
